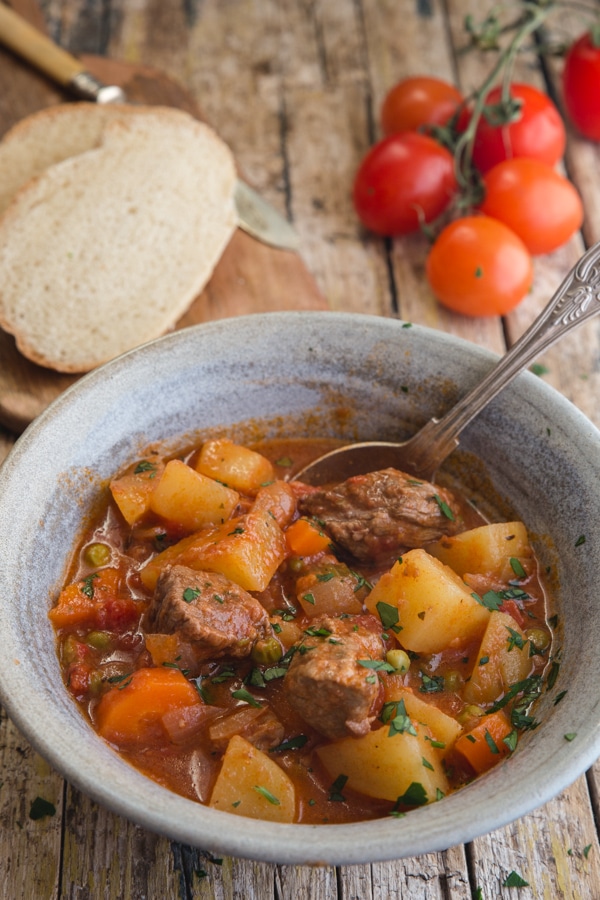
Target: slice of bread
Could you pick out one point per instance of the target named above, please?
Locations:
(117, 219)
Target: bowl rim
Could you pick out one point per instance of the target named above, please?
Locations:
(296, 844)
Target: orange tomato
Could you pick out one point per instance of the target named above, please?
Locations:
(479, 267)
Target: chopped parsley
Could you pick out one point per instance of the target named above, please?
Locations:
(335, 793)
(145, 466)
(379, 665)
(394, 714)
(517, 568)
(88, 585)
(514, 880)
(444, 508)
(389, 616)
(267, 795)
(415, 795)
(41, 808)
(190, 594)
(294, 743)
(431, 684)
(247, 697)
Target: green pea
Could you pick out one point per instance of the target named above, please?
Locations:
(97, 554)
(96, 683)
(471, 712)
(266, 653)
(453, 680)
(399, 659)
(539, 637)
(296, 564)
(99, 640)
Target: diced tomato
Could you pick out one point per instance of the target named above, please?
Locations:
(511, 607)
(78, 678)
(97, 601)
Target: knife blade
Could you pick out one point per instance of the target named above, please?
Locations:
(254, 214)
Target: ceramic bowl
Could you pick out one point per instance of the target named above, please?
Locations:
(354, 377)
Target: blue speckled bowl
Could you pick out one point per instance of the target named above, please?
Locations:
(352, 376)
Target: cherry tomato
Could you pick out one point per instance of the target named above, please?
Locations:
(402, 178)
(419, 101)
(541, 206)
(538, 133)
(581, 86)
(479, 267)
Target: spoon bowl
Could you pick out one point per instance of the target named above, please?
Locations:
(576, 300)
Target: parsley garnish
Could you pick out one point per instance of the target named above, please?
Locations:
(378, 664)
(431, 684)
(88, 585)
(515, 639)
(294, 743)
(517, 568)
(415, 795)
(267, 794)
(337, 787)
(190, 594)
(514, 880)
(394, 713)
(41, 808)
(247, 697)
(389, 616)
(445, 509)
(145, 466)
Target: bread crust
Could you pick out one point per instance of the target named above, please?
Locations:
(118, 226)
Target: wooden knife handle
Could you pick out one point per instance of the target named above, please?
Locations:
(29, 43)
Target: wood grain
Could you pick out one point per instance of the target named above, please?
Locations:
(294, 88)
(250, 277)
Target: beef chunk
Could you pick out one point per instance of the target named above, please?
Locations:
(326, 684)
(376, 516)
(210, 614)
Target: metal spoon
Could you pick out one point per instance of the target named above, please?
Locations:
(576, 300)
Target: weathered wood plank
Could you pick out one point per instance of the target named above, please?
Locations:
(294, 87)
(25, 777)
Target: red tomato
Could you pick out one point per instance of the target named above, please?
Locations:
(401, 178)
(581, 86)
(419, 101)
(541, 206)
(479, 267)
(539, 132)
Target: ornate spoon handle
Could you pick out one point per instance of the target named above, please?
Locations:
(576, 300)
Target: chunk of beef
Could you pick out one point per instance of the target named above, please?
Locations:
(375, 516)
(325, 682)
(260, 727)
(210, 614)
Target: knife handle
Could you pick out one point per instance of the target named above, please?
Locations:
(29, 43)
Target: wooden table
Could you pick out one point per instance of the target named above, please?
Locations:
(294, 87)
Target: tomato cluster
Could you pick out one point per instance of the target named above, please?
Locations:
(481, 173)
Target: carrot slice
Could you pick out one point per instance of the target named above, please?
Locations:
(305, 538)
(484, 746)
(131, 712)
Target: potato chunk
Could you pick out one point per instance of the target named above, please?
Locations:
(444, 729)
(251, 784)
(435, 607)
(388, 766)
(190, 499)
(238, 467)
(133, 490)
(248, 550)
(502, 660)
(486, 550)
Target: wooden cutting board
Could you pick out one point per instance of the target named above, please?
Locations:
(249, 278)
